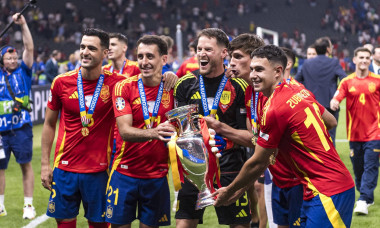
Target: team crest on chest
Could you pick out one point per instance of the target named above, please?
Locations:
(372, 87)
(226, 97)
(105, 93)
(165, 100)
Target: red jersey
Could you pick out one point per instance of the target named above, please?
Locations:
(75, 152)
(140, 159)
(291, 121)
(362, 106)
(283, 176)
(131, 68)
(189, 65)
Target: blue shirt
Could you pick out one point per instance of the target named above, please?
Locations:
(21, 82)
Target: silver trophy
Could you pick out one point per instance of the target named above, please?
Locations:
(195, 154)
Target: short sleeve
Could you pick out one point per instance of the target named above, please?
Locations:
(120, 99)
(54, 101)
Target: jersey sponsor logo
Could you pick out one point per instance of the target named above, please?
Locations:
(51, 207)
(264, 136)
(352, 89)
(120, 103)
(109, 212)
(105, 93)
(372, 87)
(165, 100)
(241, 214)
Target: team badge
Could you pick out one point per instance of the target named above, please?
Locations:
(120, 103)
(226, 97)
(105, 93)
(51, 207)
(372, 87)
(109, 212)
(165, 100)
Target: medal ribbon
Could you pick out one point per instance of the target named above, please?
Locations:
(121, 70)
(148, 121)
(86, 116)
(254, 112)
(215, 104)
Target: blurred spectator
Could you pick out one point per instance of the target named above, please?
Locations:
(375, 64)
(72, 62)
(311, 52)
(169, 64)
(51, 69)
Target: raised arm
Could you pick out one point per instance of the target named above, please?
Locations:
(27, 39)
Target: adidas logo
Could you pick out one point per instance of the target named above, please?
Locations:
(297, 222)
(196, 96)
(241, 214)
(352, 89)
(163, 219)
(74, 95)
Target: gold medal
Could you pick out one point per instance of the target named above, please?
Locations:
(272, 159)
(85, 131)
(254, 140)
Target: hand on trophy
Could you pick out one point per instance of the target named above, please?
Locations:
(225, 197)
(164, 131)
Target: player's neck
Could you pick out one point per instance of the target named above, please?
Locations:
(91, 74)
(271, 90)
(377, 62)
(362, 73)
(118, 64)
(216, 72)
(152, 81)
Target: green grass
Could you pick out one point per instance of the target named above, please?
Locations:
(14, 191)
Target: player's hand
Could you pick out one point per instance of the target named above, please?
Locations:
(19, 21)
(170, 79)
(225, 197)
(164, 131)
(46, 176)
(213, 123)
(334, 104)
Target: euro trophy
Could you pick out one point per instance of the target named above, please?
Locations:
(194, 157)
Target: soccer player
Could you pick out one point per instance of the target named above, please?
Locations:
(190, 64)
(138, 177)
(84, 100)
(228, 107)
(16, 127)
(117, 54)
(362, 91)
(290, 123)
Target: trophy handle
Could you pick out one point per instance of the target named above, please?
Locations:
(177, 123)
(192, 124)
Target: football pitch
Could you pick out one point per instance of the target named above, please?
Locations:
(14, 191)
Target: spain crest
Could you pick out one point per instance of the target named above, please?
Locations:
(51, 207)
(109, 212)
(165, 99)
(226, 97)
(372, 87)
(105, 93)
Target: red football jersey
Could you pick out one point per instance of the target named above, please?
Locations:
(131, 68)
(362, 106)
(283, 176)
(189, 65)
(75, 152)
(291, 121)
(140, 159)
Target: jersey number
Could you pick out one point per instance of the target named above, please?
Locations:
(311, 120)
(116, 193)
(362, 98)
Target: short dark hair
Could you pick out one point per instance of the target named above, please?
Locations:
(289, 54)
(153, 39)
(54, 53)
(271, 52)
(102, 35)
(246, 42)
(193, 44)
(169, 41)
(321, 45)
(220, 36)
(119, 36)
(361, 49)
(377, 47)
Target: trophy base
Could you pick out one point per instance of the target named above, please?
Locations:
(204, 199)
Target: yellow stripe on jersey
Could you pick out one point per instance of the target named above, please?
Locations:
(60, 151)
(187, 76)
(349, 77)
(243, 84)
(371, 74)
(297, 138)
(331, 211)
(349, 126)
(116, 163)
(309, 184)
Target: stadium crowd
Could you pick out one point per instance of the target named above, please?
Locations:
(113, 130)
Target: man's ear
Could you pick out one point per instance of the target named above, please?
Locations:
(164, 59)
(105, 53)
(224, 53)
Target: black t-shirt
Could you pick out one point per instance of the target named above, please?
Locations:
(231, 109)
